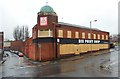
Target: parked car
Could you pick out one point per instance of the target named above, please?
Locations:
(112, 45)
(20, 54)
(16, 52)
(12, 51)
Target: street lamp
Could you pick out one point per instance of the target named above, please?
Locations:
(91, 32)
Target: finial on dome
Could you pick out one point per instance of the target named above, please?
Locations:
(46, 2)
(47, 10)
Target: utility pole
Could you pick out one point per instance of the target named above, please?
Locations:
(91, 33)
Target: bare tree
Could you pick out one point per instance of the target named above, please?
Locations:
(26, 32)
(15, 33)
(21, 34)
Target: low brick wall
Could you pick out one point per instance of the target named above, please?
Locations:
(17, 46)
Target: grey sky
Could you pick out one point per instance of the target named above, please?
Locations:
(80, 12)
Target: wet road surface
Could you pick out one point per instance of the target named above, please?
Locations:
(104, 65)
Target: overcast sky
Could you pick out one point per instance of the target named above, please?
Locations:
(80, 12)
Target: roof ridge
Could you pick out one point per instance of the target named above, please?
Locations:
(79, 26)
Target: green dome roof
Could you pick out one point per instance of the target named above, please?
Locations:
(47, 9)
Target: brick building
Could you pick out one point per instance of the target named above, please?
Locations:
(1, 44)
(7, 45)
(52, 39)
(1, 40)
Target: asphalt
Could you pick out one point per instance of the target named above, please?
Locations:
(3, 59)
(99, 64)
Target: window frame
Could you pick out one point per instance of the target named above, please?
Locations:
(60, 33)
(69, 34)
(83, 34)
(76, 34)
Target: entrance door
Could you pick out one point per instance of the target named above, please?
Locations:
(44, 52)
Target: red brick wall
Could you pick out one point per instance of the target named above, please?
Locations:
(80, 30)
(30, 49)
(42, 51)
(46, 51)
(17, 46)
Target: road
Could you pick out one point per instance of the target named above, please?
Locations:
(103, 65)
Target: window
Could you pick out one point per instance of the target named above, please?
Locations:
(69, 34)
(98, 36)
(106, 37)
(83, 35)
(102, 37)
(76, 34)
(45, 33)
(60, 33)
(89, 36)
(94, 36)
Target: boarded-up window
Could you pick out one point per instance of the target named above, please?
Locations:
(69, 34)
(45, 33)
(60, 33)
(106, 37)
(102, 37)
(89, 36)
(83, 35)
(94, 36)
(76, 34)
(98, 36)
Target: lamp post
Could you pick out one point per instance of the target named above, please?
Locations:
(91, 33)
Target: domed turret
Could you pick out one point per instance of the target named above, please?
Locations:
(47, 10)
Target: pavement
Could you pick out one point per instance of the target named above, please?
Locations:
(0, 57)
(37, 62)
(5, 57)
(77, 57)
(99, 64)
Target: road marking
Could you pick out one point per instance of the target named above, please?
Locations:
(23, 67)
(110, 64)
(114, 63)
(26, 72)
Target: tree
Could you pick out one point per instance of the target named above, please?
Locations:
(25, 32)
(21, 34)
(15, 33)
